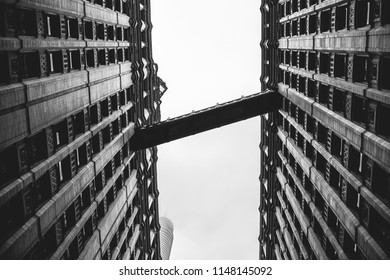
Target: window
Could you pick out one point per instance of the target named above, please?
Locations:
(303, 26)
(53, 27)
(312, 61)
(61, 133)
(294, 81)
(341, 17)
(362, 13)
(338, 101)
(8, 165)
(109, 4)
(81, 155)
(322, 134)
(79, 123)
(30, 65)
(127, 54)
(55, 62)
(119, 33)
(110, 32)
(302, 60)
(114, 102)
(288, 32)
(73, 28)
(90, 58)
(287, 57)
(323, 94)
(294, 6)
(27, 23)
(74, 60)
(100, 31)
(120, 54)
(360, 69)
(38, 147)
(99, 2)
(294, 58)
(359, 111)
(324, 63)
(64, 170)
(106, 135)
(302, 84)
(104, 108)
(340, 65)
(102, 57)
(42, 190)
(312, 89)
(93, 114)
(294, 27)
(385, 81)
(88, 30)
(118, 5)
(111, 56)
(383, 127)
(325, 21)
(312, 24)
(337, 147)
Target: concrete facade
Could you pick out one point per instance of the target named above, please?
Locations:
(77, 77)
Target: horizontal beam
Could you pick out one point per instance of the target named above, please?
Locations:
(205, 119)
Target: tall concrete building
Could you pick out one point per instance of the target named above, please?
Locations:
(166, 237)
(325, 154)
(76, 77)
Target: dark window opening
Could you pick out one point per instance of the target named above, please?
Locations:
(383, 114)
(294, 58)
(385, 81)
(88, 29)
(127, 54)
(111, 55)
(288, 8)
(324, 63)
(56, 64)
(313, 2)
(114, 102)
(287, 78)
(352, 198)
(79, 123)
(362, 13)
(53, 27)
(64, 170)
(117, 160)
(96, 144)
(120, 55)
(118, 5)
(294, 28)
(334, 178)
(312, 89)
(293, 81)
(312, 61)
(312, 24)
(302, 60)
(325, 21)
(360, 69)
(321, 164)
(123, 120)
(300, 141)
(341, 17)
(294, 6)
(81, 155)
(322, 134)
(102, 57)
(119, 33)
(61, 133)
(303, 26)
(359, 111)
(287, 29)
(106, 135)
(340, 65)
(8, 165)
(75, 60)
(110, 32)
(380, 229)
(28, 23)
(115, 127)
(323, 94)
(109, 4)
(100, 31)
(338, 101)
(301, 117)
(104, 108)
(4, 68)
(73, 28)
(30, 65)
(108, 170)
(90, 58)
(381, 183)
(302, 84)
(336, 147)
(42, 191)
(126, 34)
(287, 57)
(93, 114)
(354, 160)
(38, 147)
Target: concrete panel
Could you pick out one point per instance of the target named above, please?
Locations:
(379, 40)
(47, 86)
(103, 72)
(341, 41)
(13, 126)
(108, 153)
(42, 44)
(98, 13)
(92, 247)
(378, 95)
(126, 80)
(342, 84)
(11, 95)
(67, 7)
(10, 44)
(368, 245)
(303, 102)
(301, 42)
(104, 89)
(123, 20)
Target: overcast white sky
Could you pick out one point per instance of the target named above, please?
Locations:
(208, 52)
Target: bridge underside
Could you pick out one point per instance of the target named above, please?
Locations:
(206, 119)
